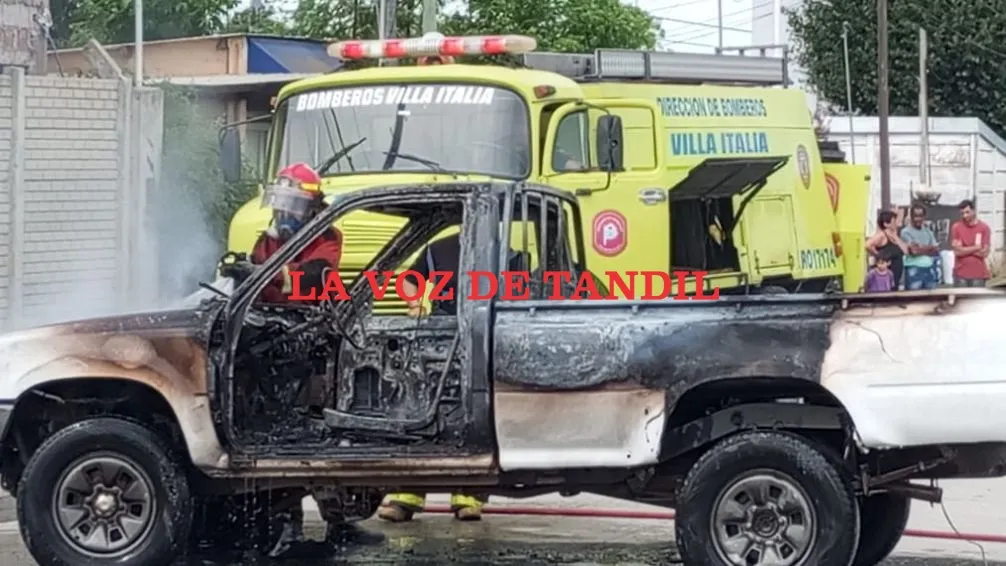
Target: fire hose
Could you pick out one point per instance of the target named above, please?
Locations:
(669, 515)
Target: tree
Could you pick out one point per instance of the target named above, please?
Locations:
(264, 20)
(559, 25)
(965, 71)
(345, 19)
(111, 21)
(571, 26)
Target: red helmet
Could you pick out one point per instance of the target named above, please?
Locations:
(302, 174)
(296, 194)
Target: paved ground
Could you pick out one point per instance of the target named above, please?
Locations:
(975, 506)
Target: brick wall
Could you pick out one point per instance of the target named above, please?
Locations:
(70, 197)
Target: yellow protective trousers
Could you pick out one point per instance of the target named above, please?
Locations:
(416, 502)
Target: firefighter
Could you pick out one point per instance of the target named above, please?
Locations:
(444, 256)
(295, 198)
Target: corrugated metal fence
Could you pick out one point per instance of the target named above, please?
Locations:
(78, 159)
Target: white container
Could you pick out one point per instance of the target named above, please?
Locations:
(947, 257)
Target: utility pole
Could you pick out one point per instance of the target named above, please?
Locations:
(776, 22)
(719, 17)
(390, 19)
(923, 109)
(848, 89)
(24, 29)
(138, 42)
(882, 106)
(430, 16)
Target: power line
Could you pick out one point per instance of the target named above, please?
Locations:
(678, 5)
(692, 36)
(740, 12)
(673, 42)
(700, 24)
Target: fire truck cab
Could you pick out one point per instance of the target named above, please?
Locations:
(680, 161)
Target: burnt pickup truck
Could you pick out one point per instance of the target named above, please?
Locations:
(784, 429)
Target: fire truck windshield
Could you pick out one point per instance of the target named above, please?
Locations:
(456, 128)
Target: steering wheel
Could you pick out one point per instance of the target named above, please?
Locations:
(518, 156)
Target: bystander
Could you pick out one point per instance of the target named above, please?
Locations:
(923, 252)
(969, 238)
(880, 278)
(886, 241)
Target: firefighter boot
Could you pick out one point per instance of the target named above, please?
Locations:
(399, 507)
(466, 507)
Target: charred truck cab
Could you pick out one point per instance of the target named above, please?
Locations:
(128, 439)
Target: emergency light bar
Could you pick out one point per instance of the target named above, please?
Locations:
(431, 46)
(664, 66)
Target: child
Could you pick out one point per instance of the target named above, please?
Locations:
(880, 279)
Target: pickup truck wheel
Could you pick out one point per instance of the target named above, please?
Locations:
(760, 498)
(101, 492)
(883, 517)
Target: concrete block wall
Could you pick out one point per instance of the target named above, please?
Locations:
(70, 197)
(6, 179)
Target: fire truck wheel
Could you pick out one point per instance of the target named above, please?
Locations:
(104, 491)
(883, 517)
(766, 498)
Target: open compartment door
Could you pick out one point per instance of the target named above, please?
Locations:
(703, 217)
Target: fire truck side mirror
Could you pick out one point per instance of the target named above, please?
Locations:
(230, 154)
(609, 143)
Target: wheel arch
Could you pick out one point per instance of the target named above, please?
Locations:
(716, 408)
(45, 406)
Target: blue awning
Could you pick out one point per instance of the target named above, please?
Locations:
(278, 55)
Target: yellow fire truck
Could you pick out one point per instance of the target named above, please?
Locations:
(680, 160)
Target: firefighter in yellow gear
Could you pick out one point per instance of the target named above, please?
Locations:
(399, 507)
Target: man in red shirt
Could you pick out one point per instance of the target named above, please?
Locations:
(295, 199)
(969, 238)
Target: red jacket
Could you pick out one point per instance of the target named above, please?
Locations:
(324, 252)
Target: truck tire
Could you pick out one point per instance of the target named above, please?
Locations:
(104, 491)
(883, 519)
(761, 487)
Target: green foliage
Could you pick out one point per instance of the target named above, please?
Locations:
(111, 21)
(266, 21)
(191, 179)
(343, 19)
(572, 26)
(965, 71)
(559, 25)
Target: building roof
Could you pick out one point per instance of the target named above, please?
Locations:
(231, 83)
(199, 38)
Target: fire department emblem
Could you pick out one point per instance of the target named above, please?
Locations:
(611, 234)
(833, 188)
(803, 165)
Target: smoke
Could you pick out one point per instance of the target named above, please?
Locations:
(194, 204)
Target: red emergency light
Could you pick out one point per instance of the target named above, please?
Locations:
(432, 46)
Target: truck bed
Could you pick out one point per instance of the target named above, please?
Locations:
(888, 359)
